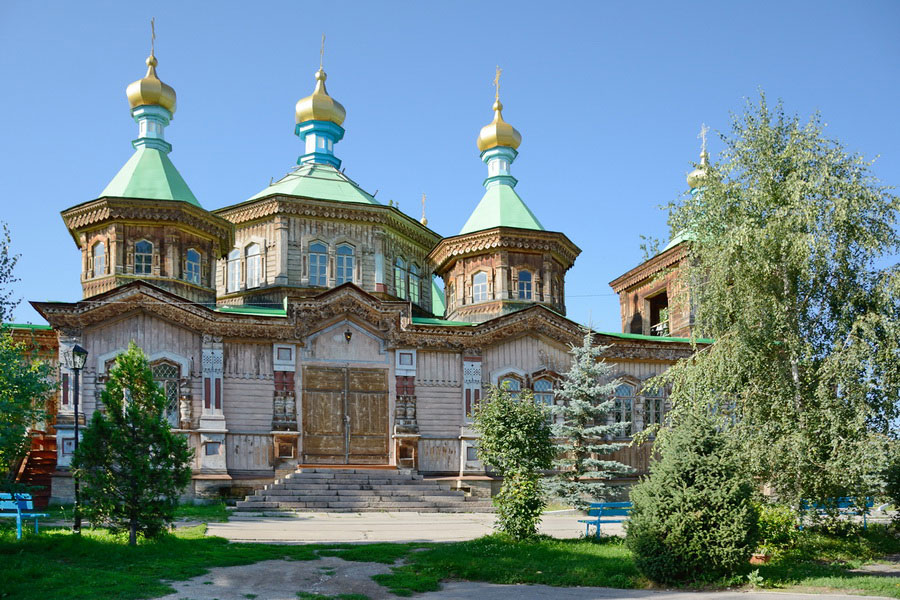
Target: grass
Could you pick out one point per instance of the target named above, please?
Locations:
(215, 512)
(98, 565)
(309, 596)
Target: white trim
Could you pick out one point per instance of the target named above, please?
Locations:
(184, 363)
(404, 370)
(496, 373)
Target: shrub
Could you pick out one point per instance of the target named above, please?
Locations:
(515, 440)
(777, 526)
(693, 516)
(891, 477)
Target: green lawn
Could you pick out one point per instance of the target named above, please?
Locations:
(98, 565)
(214, 512)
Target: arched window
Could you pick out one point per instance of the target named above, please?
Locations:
(479, 287)
(318, 262)
(143, 258)
(400, 277)
(99, 257)
(254, 265)
(511, 384)
(167, 376)
(622, 411)
(415, 283)
(192, 266)
(543, 392)
(524, 285)
(654, 406)
(344, 264)
(233, 275)
(450, 296)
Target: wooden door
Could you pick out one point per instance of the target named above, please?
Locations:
(345, 416)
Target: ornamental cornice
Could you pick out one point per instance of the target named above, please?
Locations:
(169, 212)
(649, 268)
(450, 249)
(384, 317)
(377, 214)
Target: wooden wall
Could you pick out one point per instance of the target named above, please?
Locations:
(248, 387)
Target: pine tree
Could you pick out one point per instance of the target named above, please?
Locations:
(587, 395)
(132, 467)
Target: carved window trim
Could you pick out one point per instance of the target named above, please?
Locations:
(233, 271)
(192, 268)
(345, 259)
(525, 285)
(479, 287)
(317, 252)
(99, 260)
(143, 260)
(253, 260)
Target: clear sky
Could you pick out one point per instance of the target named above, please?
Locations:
(608, 96)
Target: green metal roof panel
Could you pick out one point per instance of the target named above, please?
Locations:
(322, 182)
(25, 326)
(150, 175)
(249, 309)
(682, 236)
(501, 206)
(655, 338)
(438, 304)
(440, 322)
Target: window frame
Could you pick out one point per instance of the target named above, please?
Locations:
(171, 412)
(344, 254)
(514, 392)
(253, 278)
(414, 283)
(95, 272)
(320, 279)
(400, 278)
(233, 271)
(528, 292)
(484, 296)
(619, 410)
(191, 275)
(148, 264)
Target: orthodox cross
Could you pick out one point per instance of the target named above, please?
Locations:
(703, 131)
(152, 35)
(322, 52)
(497, 83)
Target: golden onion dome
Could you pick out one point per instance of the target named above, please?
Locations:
(498, 132)
(150, 90)
(320, 106)
(695, 178)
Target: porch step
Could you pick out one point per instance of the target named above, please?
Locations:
(322, 489)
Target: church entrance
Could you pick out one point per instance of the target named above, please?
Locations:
(345, 416)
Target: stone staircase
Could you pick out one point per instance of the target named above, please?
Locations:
(360, 490)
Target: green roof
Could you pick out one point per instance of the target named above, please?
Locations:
(249, 309)
(150, 175)
(501, 207)
(440, 322)
(322, 182)
(682, 236)
(25, 326)
(655, 338)
(438, 304)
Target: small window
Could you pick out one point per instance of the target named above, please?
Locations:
(344, 264)
(254, 266)
(234, 271)
(471, 453)
(524, 285)
(143, 258)
(99, 256)
(167, 377)
(406, 359)
(400, 277)
(543, 395)
(212, 448)
(192, 266)
(479, 287)
(284, 354)
(654, 407)
(512, 385)
(318, 262)
(622, 411)
(415, 283)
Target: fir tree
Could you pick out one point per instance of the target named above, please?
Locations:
(131, 465)
(587, 395)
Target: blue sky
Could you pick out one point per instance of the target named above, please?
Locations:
(609, 97)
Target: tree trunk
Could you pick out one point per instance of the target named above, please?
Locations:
(132, 532)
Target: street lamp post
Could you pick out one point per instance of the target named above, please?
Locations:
(75, 360)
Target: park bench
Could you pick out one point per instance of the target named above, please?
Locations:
(605, 512)
(845, 507)
(19, 506)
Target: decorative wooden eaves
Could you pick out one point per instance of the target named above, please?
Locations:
(649, 268)
(451, 249)
(95, 213)
(378, 214)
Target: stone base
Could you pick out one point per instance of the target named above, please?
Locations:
(62, 488)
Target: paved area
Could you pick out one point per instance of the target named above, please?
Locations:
(310, 528)
(284, 579)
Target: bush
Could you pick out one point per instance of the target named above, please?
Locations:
(693, 516)
(891, 476)
(515, 440)
(777, 527)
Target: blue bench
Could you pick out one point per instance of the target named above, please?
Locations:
(20, 507)
(845, 506)
(605, 512)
